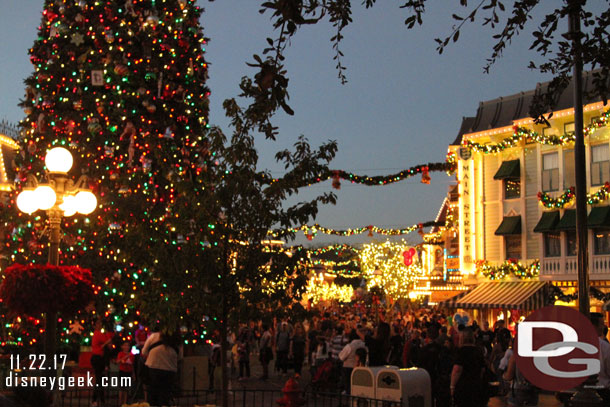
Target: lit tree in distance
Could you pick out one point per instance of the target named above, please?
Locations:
(391, 266)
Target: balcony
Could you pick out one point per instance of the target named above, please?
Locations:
(565, 268)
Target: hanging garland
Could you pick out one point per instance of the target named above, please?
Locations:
(338, 248)
(337, 175)
(567, 198)
(312, 231)
(513, 266)
(530, 136)
(556, 294)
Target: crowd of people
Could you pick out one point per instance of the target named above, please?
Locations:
(467, 362)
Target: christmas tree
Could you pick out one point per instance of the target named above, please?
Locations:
(121, 84)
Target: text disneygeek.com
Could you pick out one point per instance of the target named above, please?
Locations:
(14, 379)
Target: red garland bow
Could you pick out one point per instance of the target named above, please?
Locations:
(336, 180)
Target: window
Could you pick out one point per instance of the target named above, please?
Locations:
(550, 172)
(571, 243)
(569, 175)
(600, 164)
(512, 188)
(513, 246)
(552, 244)
(568, 128)
(601, 238)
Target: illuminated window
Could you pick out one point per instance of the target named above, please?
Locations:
(552, 244)
(571, 243)
(513, 246)
(601, 238)
(550, 172)
(512, 188)
(600, 164)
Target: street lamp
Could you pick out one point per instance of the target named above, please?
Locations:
(61, 196)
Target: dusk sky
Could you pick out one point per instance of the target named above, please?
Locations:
(402, 106)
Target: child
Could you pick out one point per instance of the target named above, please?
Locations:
(361, 357)
(125, 360)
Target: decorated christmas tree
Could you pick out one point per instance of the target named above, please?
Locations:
(121, 85)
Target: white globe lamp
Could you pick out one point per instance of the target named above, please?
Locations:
(86, 202)
(58, 159)
(69, 205)
(45, 197)
(26, 201)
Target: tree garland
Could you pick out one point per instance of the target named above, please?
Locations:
(567, 198)
(521, 133)
(513, 266)
(337, 175)
(312, 231)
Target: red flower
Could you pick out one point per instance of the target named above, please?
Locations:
(36, 288)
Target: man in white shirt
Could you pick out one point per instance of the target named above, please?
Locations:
(603, 379)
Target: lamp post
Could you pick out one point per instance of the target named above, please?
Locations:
(60, 196)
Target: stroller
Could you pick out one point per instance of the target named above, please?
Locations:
(326, 376)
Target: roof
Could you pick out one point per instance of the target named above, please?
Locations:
(441, 217)
(504, 110)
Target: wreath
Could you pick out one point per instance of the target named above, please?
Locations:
(33, 289)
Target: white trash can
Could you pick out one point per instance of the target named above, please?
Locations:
(412, 386)
(363, 381)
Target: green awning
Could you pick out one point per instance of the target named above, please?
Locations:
(509, 169)
(511, 225)
(599, 217)
(568, 220)
(547, 222)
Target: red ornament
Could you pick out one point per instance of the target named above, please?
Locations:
(309, 236)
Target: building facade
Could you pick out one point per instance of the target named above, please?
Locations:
(516, 192)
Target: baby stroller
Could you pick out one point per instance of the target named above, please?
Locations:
(326, 377)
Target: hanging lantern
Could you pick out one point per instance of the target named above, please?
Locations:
(425, 176)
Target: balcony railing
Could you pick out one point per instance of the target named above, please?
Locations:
(567, 266)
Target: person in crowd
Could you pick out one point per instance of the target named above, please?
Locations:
(125, 360)
(297, 347)
(468, 387)
(312, 340)
(396, 346)
(348, 357)
(282, 343)
(522, 392)
(603, 378)
(379, 345)
(162, 353)
(486, 337)
(265, 350)
(338, 341)
(100, 343)
(243, 353)
(361, 356)
(215, 365)
(410, 355)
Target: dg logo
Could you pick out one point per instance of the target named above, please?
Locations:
(557, 348)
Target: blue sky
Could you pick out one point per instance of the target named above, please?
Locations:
(402, 106)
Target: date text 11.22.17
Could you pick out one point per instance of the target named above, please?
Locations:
(38, 362)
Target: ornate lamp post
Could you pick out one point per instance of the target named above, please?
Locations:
(60, 196)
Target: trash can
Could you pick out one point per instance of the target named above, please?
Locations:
(363, 381)
(411, 386)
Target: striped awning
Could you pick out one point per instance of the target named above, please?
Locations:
(451, 302)
(525, 295)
